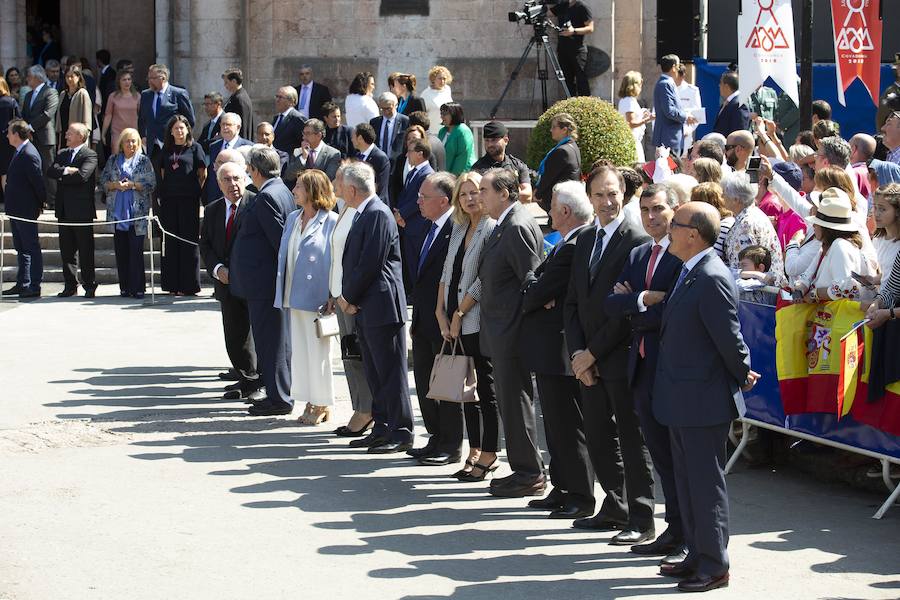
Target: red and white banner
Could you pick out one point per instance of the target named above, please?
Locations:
(857, 44)
(766, 47)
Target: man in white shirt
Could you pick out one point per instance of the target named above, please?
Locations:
(313, 153)
(390, 127)
(229, 128)
(311, 95)
(689, 96)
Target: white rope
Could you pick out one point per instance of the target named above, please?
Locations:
(91, 224)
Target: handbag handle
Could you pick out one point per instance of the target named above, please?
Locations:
(456, 342)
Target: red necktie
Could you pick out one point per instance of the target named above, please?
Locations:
(654, 254)
(311, 159)
(229, 226)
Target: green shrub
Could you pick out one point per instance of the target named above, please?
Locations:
(602, 133)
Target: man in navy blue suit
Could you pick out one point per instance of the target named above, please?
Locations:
(703, 366)
(25, 194)
(252, 272)
(733, 115)
(639, 295)
(229, 129)
(668, 130)
(288, 123)
(390, 127)
(159, 103)
(368, 152)
(406, 207)
(372, 289)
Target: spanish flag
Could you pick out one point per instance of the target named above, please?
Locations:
(848, 382)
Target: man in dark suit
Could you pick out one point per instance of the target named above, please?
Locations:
(409, 219)
(49, 49)
(337, 135)
(733, 115)
(239, 101)
(390, 127)
(443, 420)
(159, 103)
(265, 135)
(703, 367)
(311, 95)
(252, 272)
(372, 289)
(39, 110)
(75, 170)
(25, 195)
(639, 296)
(438, 153)
(221, 221)
(598, 344)
(230, 128)
(513, 250)
(544, 353)
(287, 123)
(212, 105)
(368, 152)
(314, 153)
(668, 129)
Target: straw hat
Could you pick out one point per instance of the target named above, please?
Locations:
(833, 210)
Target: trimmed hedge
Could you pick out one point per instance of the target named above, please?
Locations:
(602, 133)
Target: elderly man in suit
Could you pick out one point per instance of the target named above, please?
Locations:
(443, 420)
(221, 220)
(39, 111)
(265, 135)
(158, 104)
(733, 115)
(372, 290)
(390, 127)
(311, 95)
(409, 219)
(598, 343)
(512, 252)
(287, 122)
(368, 152)
(252, 275)
(544, 353)
(668, 129)
(212, 105)
(25, 195)
(639, 295)
(230, 128)
(703, 367)
(313, 153)
(239, 101)
(75, 171)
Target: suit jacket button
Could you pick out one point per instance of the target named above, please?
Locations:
(312, 259)
(309, 276)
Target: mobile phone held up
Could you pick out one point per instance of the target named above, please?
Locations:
(753, 168)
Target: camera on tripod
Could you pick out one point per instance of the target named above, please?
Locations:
(534, 12)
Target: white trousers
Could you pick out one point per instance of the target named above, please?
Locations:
(311, 378)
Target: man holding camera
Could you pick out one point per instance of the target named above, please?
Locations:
(575, 21)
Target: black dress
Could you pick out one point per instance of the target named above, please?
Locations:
(9, 110)
(179, 212)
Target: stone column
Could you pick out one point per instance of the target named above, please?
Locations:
(12, 35)
(604, 37)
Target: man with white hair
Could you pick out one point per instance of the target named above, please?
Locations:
(288, 122)
(229, 130)
(390, 127)
(372, 289)
(39, 111)
(751, 225)
(544, 353)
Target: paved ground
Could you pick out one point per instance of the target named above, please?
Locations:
(124, 476)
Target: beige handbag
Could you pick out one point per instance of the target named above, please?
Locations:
(327, 326)
(453, 376)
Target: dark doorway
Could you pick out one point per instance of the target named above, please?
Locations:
(41, 15)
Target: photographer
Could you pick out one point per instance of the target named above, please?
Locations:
(575, 21)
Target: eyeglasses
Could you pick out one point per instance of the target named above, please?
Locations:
(674, 223)
(280, 97)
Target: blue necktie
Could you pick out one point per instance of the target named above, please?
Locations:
(156, 102)
(423, 254)
(355, 218)
(681, 276)
(303, 93)
(596, 254)
(409, 176)
(385, 143)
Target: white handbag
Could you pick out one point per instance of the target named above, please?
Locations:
(326, 326)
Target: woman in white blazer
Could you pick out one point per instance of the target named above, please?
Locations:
(301, 288)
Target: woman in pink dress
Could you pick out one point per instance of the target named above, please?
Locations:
(122, 108)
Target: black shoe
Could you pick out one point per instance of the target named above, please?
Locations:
(232, 395)
(631, 537)
(370, 440)
(662, 546)
(67, 293)
(703, 583)
(90, 292)
(269, 409)
(571, 511)
(479, 472)
(599, 523)
(389, 447)
(502, 481)
(13, 291)
(677, 570)
(555, 500)
(441, 458)
(32, 293)
(230, 375)
(423, 452)
(526, 487)
(344, 431)
(677, 556)
(138, 295)
(233, 386)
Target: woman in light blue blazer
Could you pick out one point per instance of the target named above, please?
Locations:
(301, 288)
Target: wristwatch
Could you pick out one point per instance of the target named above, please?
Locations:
(460, 313)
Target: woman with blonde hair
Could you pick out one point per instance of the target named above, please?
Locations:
(75, 105)
(121, 108)
(301, 288)
(437, 94)
(707, 170)
(636, 117)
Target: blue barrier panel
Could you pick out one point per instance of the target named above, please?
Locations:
(764, 401)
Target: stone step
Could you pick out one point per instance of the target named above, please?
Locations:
(50, 241)
(104, 275)
(102, 258)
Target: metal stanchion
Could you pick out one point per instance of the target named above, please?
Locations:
(150, 238)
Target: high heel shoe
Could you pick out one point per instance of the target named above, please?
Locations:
(316, 415)
(462, 472)
(344, 431)
(471, 477)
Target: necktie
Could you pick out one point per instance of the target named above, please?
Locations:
(156, 102)
(423, 254)
(596, 254)
(311, 159)
(355, 218)
(209, 134)
(384, 135)
(654, 254)
(684, 272)
(304, 92)
(33, 98)
(229, 226)
(409, 176)
(277, 122)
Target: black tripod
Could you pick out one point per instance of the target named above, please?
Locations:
(541, 42)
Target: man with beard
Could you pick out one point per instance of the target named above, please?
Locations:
(495, 142)
(738, 149)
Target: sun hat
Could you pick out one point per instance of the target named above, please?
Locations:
(833, 210)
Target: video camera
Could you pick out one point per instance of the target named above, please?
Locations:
(534, 12)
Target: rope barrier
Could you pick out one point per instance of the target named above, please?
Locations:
(91, 224)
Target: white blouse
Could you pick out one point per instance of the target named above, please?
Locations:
(887, 251)
(358, 109)
(338, 239)
(835, 271)
(434, 99)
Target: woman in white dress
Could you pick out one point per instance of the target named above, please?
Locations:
(437, 94)
(636, 117)
(887, 221)
(301, 288)
(359, 106)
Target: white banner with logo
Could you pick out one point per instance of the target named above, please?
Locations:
(766, 47)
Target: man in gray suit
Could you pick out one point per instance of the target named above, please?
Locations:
(313, 153)
(703, 367)
(39, 111)
(513, 251)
